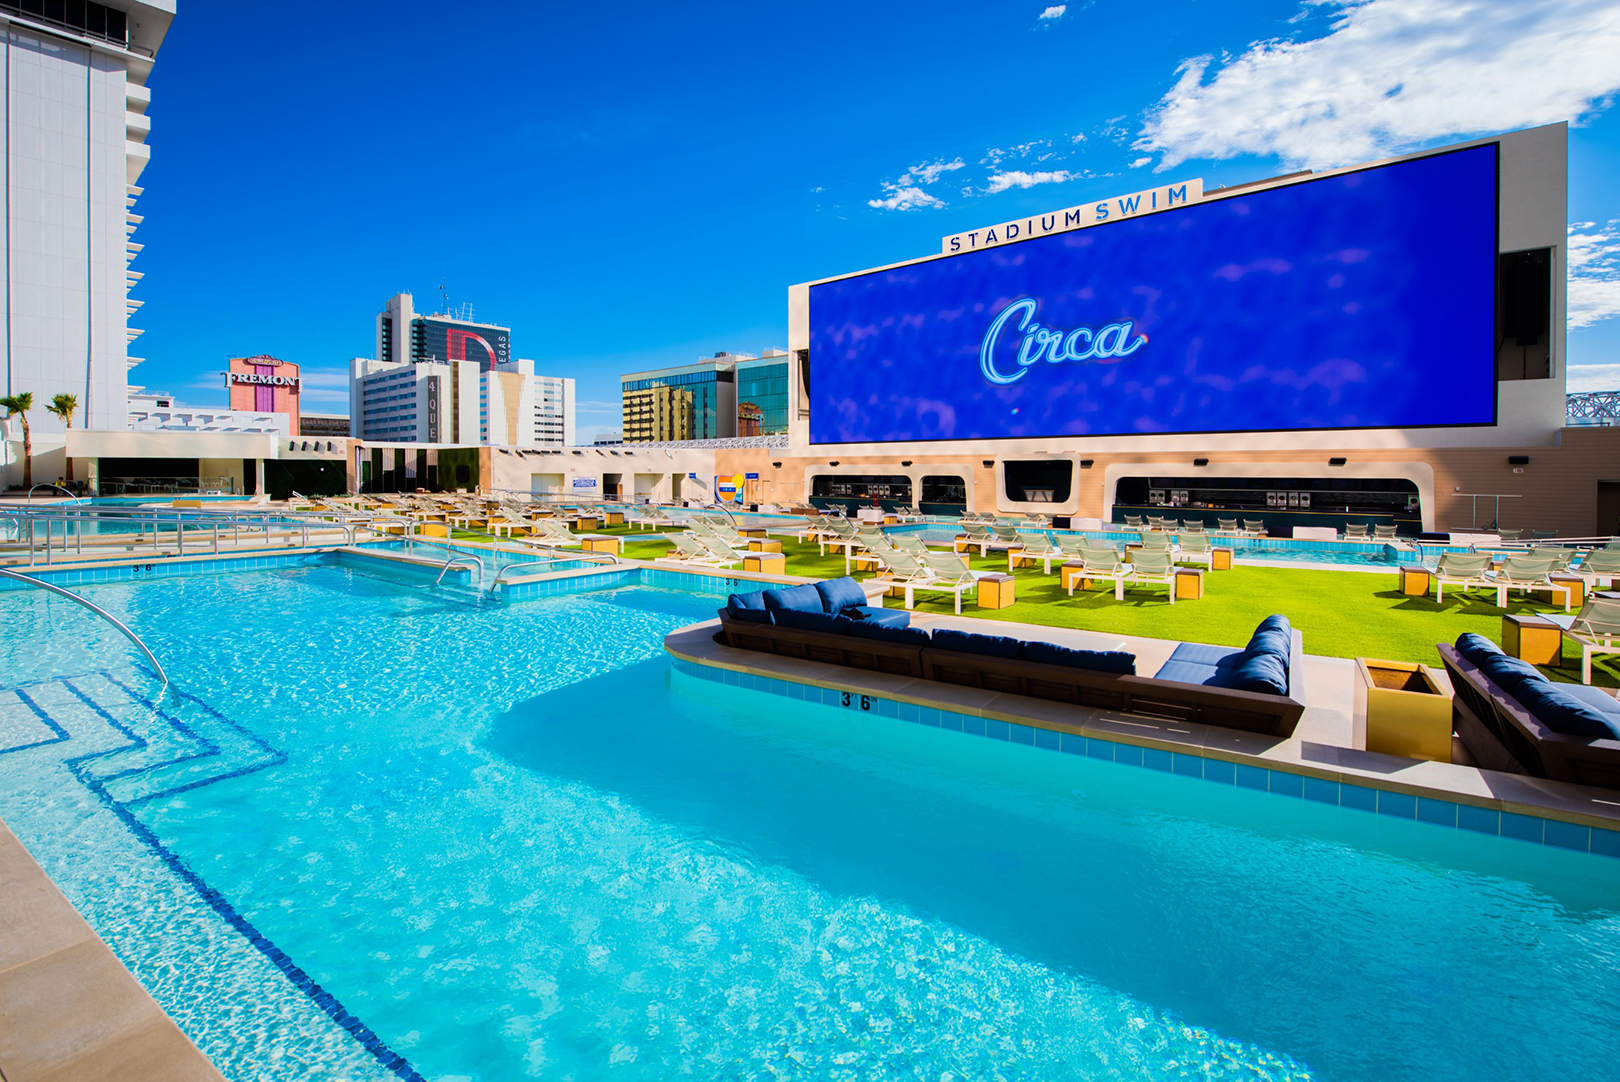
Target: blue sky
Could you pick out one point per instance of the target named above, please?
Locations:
(633, 185)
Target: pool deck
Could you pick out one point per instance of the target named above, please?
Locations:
(69, 1010)
(1319, 748)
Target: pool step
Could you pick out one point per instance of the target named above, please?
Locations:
(125, 746)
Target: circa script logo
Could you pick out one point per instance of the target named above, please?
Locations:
(1107, 343)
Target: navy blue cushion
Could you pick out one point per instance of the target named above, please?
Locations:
(1200, 654)
(1109, 661)
(1185, 672)
(840, 594)
(1565, 713)
(966, 642)
(748, 608)
(1253, 670)
(867, 614)
(1274, 636)
(1476, 648)
(804, 598)
(806, 621)
(905, 636)
(1508, 673)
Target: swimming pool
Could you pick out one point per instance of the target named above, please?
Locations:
(510, 841)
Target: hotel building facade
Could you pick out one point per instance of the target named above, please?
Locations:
(75, 129)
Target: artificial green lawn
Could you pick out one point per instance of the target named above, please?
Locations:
(1340, 613)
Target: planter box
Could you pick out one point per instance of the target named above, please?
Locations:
(1400, 709)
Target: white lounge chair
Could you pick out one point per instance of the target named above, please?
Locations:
(1527, 574)
(1462, 571)
(1151, 569)
(1595, 629)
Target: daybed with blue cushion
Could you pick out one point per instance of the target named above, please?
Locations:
(1244, 689)
(1253, 688)
(1512, 718)
(824, 621)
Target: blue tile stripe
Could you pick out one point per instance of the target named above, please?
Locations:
(80, 768)
(1345, 794)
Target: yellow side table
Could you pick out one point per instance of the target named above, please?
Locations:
(1576, 587)
(1532, 638)
(863, 563)
(996, 591)
(614, 518)
(1220, 560)
(759, 544)
(1072, 576)
(1414, 581)
(752, 531)
(770, 563)
(587, 524)
(1189, 583)
(602, 544)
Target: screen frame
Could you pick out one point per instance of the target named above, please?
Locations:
(1496, 294)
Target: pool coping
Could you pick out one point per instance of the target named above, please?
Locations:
(70, 1009)
(1548, 812)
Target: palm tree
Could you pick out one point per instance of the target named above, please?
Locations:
(64, 406)
(20, 404)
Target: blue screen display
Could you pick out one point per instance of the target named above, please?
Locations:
(1363, 300)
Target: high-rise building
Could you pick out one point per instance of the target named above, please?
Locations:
(406, 337)
(75, 132)
(448, 379)
(729, 394)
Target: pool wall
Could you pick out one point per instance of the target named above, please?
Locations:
(696, 656)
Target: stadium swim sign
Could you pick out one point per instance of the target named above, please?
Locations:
(1087, 214)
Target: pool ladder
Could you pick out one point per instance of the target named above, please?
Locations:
(461, 561)
(98, 610)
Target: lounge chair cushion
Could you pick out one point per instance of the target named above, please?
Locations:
(966, 642)
(1476, 648)
(748, 608)
(804, 598)
(807, 621)
(1185, 672)
(1262, 671)
(868, 614)
(1109, 661)
(840, 594)
(886, 632)
(1202, 654)
(1275, 636)
(1508, 673)
(1568, 714)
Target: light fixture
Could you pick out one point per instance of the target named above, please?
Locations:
(832, 463)
(776, 465)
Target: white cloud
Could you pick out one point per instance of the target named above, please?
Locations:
(906, 193)
(1391, 75)
(909, 198)
(1594, 272)
(1593, 377)
(1017, 178)
(1052, 14)
(1140, 162)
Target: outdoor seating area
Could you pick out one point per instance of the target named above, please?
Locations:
(1252, 688)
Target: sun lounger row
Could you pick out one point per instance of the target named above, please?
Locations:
(1512, 718)
(1253, 688)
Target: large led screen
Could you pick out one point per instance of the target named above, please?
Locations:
(1363, 300)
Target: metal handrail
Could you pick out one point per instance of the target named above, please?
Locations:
(47, 484)
(454, 560)
(98, 610)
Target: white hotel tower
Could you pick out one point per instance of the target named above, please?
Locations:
(75, 130)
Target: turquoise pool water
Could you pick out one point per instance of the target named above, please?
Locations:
(509, 842)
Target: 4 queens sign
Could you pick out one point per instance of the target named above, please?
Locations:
(1104, 345)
